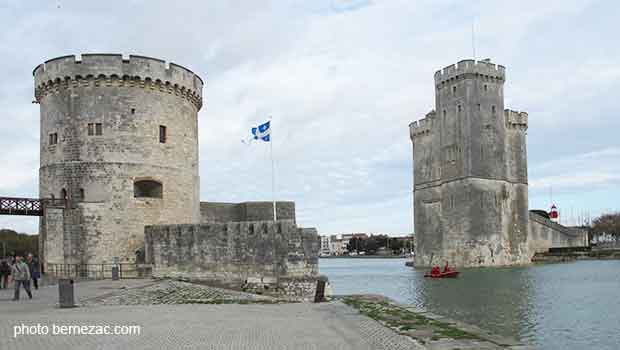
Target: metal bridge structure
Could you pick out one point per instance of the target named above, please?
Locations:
(26, 206)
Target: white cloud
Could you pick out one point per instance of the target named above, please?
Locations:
(342, 80)
(572, 181)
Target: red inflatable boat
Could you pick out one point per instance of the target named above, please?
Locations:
(446, 273)
(449, 274)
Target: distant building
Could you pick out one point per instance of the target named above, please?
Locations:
(337, 246)
(348, 236)
(325, 240)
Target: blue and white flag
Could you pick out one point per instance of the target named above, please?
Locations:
(262, 132)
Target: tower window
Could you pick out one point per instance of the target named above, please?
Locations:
(479, 107)
(493, 110)
(458, 108)
(485, 87)
(53, 138)
(81, 194)
(147, 189)
(133, 111)
(95, 129)
(63, 194)
(454, 91)
(162, 134)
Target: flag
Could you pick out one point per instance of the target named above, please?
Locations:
(262, 132)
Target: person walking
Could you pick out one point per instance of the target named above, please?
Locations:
(35, 269)
(21, 277)
(5, 272)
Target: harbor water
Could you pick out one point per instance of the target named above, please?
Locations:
(572, 305)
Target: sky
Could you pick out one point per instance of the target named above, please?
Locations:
(341, 81)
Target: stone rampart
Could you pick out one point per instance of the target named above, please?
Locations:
(423, 126)
(234, 253)
(217, 212)
(545, 234)
(515, 119)
(115, 70)
(466, 68)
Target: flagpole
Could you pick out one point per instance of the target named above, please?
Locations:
(273, 181)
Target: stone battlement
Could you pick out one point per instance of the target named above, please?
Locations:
(217, 212)
(515, 119)
(466, 68)
(114, 69)
(233, 252)
(423, 126)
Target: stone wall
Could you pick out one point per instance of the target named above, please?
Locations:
(52, 237)
(545, 234)
(105, 112)
(453, 223)
(234, 253)
(214, 212)
(470, 172)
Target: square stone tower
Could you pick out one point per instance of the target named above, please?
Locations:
(470, 172)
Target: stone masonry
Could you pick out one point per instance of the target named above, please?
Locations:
(212, 212)
(233, 252)
(119, 155)
(470, 173)
(119, 143)
(239, 246)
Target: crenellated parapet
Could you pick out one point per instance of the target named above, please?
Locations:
(423, 126)
(153, 74)
(470, 68)
(515, 119)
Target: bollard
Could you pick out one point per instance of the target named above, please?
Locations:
(115, 274)
(319, 296)
(65, 293)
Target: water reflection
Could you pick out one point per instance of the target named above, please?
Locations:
(573, 305)
(495, 299)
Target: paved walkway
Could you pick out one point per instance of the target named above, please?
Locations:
(270, 327)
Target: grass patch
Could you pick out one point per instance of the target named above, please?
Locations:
(404, 320)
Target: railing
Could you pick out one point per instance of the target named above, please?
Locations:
(28, 206)
(99, 271)
(21, 206)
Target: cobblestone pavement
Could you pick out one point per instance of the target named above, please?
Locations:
(175, 292)
(191, 326)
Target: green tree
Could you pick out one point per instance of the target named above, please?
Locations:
(356, 244)
(606, 224)
(396, 246)
(375, 242)
(18, 243)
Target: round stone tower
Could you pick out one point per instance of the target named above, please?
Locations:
(119, 147)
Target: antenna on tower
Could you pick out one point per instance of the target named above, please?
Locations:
(551, 194)
(473, 37)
